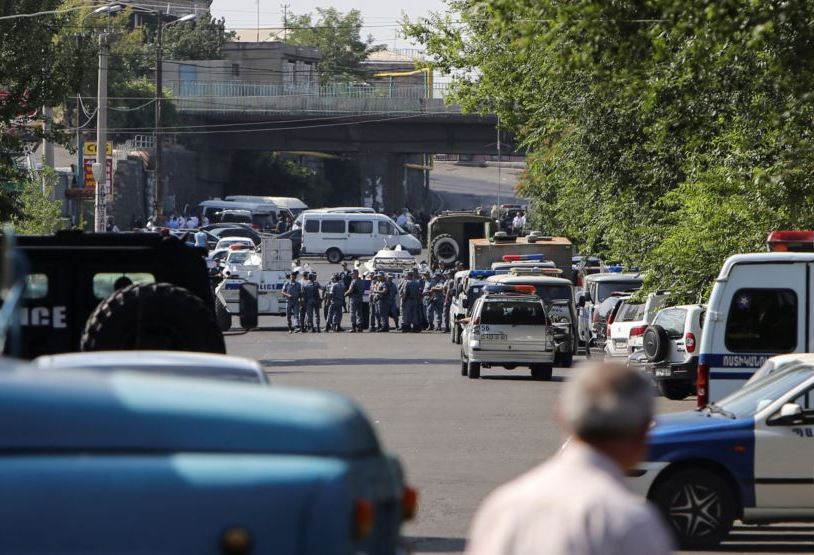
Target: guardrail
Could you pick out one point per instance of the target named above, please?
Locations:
(222, 89)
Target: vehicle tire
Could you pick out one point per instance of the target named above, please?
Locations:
(223, 316)
(675, 390)
(566, 360)
(158, 316)
(473, 370)
(541, 372)
(464, 369)
(656, 343)
(699, 507)
(334, 256)
(445, 249)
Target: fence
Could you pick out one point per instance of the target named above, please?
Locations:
(222, 89)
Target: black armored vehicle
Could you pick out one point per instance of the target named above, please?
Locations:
(115, 291)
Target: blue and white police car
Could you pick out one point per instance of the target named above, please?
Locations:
(748, 457)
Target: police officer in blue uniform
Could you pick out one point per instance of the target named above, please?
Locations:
(292, 291)
(381, 300)
(335, 301)
(355, 294)
(393, 300)
(411, 304)
(310, 294)
(433, 292)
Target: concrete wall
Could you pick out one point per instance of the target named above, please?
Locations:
(273, 62)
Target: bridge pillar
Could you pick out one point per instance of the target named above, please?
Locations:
(383, 180)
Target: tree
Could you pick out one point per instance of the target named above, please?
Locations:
(39, 213)
(200, 39)
(663, 133)
(338, 37)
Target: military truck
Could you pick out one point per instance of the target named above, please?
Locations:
(115, 291)
(449, 234)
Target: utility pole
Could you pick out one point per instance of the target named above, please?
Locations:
(258, 20)
(157, 140)
(285, 22)
(499, 160)
(100, 213)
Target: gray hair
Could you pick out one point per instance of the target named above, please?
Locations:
(607, 401)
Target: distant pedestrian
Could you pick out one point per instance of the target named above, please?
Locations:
(577, 502)
(410, 304)
(204, 221)
(193, 222)
(310, 303)
(519, 222)
(335, 301)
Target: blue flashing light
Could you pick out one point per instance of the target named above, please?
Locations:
(615, 269)
(481, 274)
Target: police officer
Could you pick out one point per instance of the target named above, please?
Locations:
(310, 294)
(318, 310)
(354, 294)
(292, 291)
(392, 300)
(449, 293)
(422, 279)
(410, 304)
(335, 302)
(382, 300)
(434, 294)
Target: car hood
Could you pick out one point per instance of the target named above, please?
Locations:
(70, 410)
(687, 432)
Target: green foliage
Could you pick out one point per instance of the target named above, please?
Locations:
(200, 39)
(39, 213)
(339, 39)
(664, 133)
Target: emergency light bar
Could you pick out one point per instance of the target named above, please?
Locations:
(503, 288)
(481, 274)
(524, 257)
(537, 270)
(615, 269)
(791, 241)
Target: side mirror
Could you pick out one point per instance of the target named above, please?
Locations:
(790, 413)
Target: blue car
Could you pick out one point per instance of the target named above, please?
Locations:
(118, 462)
(749, 457)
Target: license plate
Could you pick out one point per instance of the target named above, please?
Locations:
(620, 343)
(493, 337)
(663, 372)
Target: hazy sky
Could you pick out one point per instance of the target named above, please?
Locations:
(381, 16)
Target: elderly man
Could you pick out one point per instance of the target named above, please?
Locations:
(577, 501)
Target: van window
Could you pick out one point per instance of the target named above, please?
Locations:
(386, 228)
(333, 226)
(312, 226)
(762, 321)
(360, 227)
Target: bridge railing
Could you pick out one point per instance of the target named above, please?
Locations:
(222, 89)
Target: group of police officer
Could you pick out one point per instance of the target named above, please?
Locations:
(418, 299)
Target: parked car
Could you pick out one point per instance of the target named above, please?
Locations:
(746, 457)
(235, 230)
(625, 315)
(231, 241)
(670, 353)
(113, 462)
(508, 330)
(170, 363)
(599, 287)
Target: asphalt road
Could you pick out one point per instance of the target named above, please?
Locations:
(457, 438)
(458, 187)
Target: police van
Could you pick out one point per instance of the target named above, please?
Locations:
(760, 306)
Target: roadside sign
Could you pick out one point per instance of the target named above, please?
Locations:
(90, 181)
(90, 148)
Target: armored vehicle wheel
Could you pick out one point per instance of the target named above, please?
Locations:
(223, 316)
(155, 316)
(445, 249)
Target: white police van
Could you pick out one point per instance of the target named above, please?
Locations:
(760, 306)
(747, 457)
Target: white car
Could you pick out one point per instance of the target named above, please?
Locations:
(508, 330)
(747, 457)
(174, 363)
(624, 317)
(670, 351)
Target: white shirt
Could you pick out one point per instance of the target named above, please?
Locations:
(193, 221)
(576, 503)
(518, 222)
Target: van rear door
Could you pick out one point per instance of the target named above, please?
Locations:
(759, 311)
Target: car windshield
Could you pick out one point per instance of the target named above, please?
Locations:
(608, 288)
(507, 313)
(238, 257)
(672, 320)
(554, 292)
(750, 399)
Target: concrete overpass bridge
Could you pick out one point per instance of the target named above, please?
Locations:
(387, 127)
